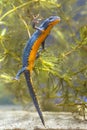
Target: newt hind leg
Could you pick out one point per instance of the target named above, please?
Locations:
(20, 72)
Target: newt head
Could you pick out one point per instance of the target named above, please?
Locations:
(51, 21)
(54, 20)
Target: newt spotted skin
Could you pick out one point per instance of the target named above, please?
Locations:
(30, 53)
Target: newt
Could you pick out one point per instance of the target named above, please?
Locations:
(29, 55)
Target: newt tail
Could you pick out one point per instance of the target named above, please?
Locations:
(32, 93)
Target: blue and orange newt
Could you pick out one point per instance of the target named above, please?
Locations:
(30, 52)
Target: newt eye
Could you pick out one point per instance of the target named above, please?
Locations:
(50, 18)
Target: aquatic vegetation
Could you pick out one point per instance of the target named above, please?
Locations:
(60, 73)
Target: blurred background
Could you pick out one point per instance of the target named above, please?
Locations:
(60, 73)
